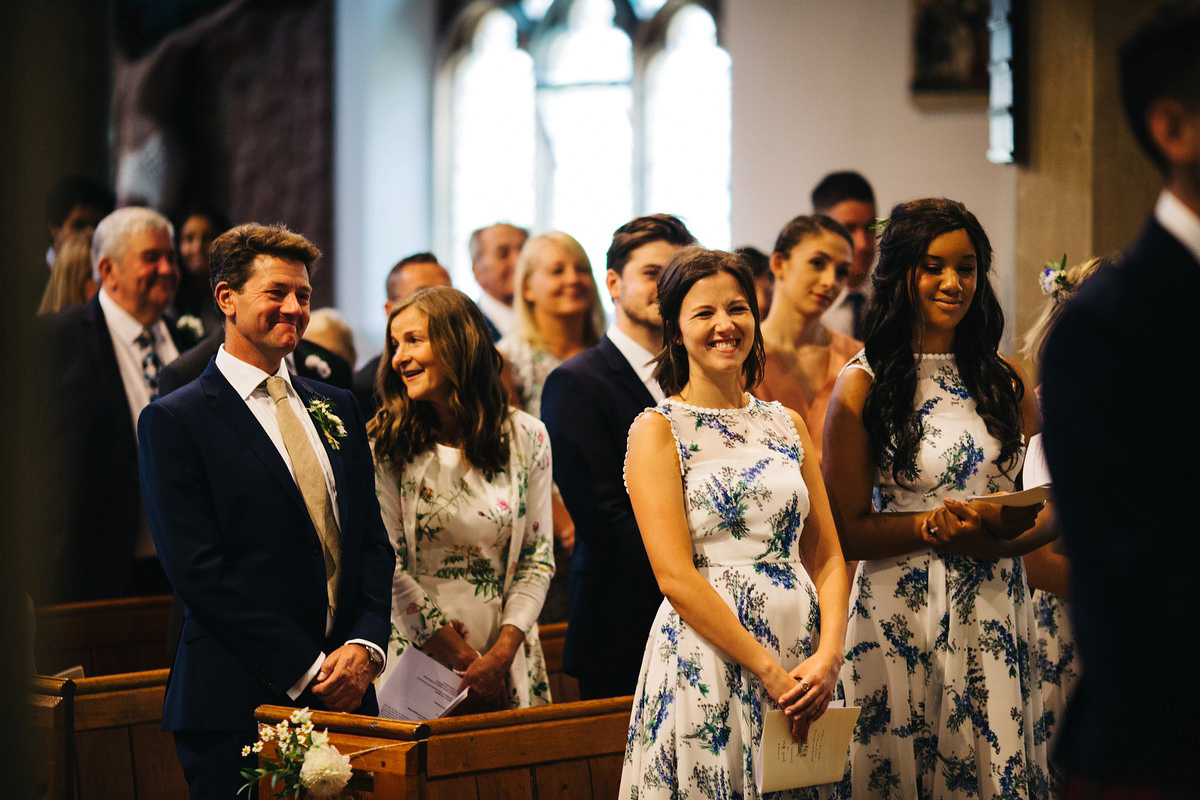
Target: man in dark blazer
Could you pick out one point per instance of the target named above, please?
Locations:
(99, 373)
(260, 492)
(588, 404)
(1119, 390)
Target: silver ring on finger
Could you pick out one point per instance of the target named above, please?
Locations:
(933, 530)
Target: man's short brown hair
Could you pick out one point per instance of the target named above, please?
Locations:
(233, 252)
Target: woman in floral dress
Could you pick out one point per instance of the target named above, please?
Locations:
(740, 536)
(939, 644)
(464, 488)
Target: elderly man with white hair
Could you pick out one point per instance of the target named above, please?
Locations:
(102, 361)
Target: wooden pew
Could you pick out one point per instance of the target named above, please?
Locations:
(105, 637)
(100, 738)
(563, 750)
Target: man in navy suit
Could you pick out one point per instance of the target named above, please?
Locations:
(260, 492)
(1122, 437)
(101, 367)
(588, 404)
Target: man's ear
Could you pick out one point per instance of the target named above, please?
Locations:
(104, 268)
(223, 293)
(611, 279)
(1168, 124)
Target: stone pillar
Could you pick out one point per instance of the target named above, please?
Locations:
(1085, 188)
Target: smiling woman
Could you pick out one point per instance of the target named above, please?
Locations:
(941, 632)
(740, 536)
(464, 488)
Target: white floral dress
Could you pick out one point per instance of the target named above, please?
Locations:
(457, 558)
(939, 646)
(697, 715)
(530, 366)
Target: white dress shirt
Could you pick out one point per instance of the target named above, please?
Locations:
(123, 330)
(1179, 220)
(250, 383)
(501, 315)
(639, 358)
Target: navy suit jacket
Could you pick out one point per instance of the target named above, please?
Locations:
(90, 527)
(588, 404)
(240, 549)
(1120, 389)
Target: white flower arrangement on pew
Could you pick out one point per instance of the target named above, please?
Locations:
(307, 761)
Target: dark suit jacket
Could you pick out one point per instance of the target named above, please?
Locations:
(1119, 387)
(588, 404)
(364, 387)
(241, 551)
(90, 525)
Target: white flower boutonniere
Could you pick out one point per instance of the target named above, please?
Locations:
(329, 422)
(189, 323)
(318, 365)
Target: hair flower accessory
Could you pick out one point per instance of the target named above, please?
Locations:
(308, 764)
(329, 422)
(1054, 277)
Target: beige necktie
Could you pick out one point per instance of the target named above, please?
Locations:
(311, 480)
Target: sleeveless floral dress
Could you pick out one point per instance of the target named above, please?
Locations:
(940, 646)
(697, 715)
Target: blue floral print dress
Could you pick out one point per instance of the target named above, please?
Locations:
(472, 550)
(939, 646)
(697, 716)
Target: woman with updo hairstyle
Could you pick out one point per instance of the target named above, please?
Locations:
(941, 630)
(740, 536)
(811, 260)
(464, 489)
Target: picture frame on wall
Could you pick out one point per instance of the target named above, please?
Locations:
(950, 45)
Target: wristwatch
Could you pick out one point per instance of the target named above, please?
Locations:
(375, 657)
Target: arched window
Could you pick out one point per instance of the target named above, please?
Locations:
(486, 147)
(624, 109)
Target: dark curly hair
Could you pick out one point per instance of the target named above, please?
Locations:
(686, 267)
(892, 333)
(462, 347)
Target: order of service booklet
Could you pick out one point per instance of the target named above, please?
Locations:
(419, 688)
(784, 763)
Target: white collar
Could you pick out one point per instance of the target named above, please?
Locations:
(638, 357)
(502, 316)
(1179, 220)
(123, 324)
(244, 377)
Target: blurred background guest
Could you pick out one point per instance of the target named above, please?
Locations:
(464, 488)
(811, 260)
(71, 281)
(764, 279)
(196, 228)
(558, 316)
(847, 197)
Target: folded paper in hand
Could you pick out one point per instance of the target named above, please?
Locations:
(783, 763)
(419, 688)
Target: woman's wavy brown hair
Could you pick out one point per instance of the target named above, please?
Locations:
(462, 347)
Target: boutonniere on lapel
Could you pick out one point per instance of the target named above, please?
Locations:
(329, 422)
(190, 324)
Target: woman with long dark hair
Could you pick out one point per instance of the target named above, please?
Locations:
(464, 489)
(739, 534)
(941, 624)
